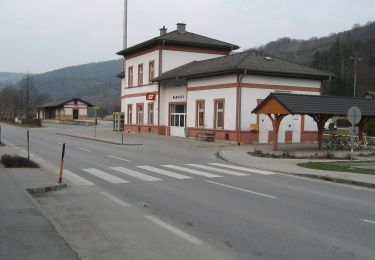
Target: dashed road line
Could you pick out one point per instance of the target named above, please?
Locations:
(116, 200)
(175, 230)
(83, 149)
(118, 158)
(240, 189)
(368, 221)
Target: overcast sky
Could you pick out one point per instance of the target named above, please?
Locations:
(43, 35)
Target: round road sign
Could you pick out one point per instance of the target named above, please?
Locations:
(354, 115)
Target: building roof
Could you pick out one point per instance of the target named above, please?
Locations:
(254, 62)
(60, 102)
(322, 105)
(181, 38)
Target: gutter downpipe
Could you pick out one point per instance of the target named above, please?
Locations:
(239, 106)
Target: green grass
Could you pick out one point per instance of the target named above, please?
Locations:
(337, 167)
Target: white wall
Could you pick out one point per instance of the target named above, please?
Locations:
(173, 59)
(209, 81)
(145, 59)
(133, 101)
(167, 94)
(257, 79)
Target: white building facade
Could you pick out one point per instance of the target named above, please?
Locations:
(181, 84)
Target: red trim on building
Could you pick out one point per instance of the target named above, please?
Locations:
(195, 49)
(130, 79)
(218, 86)
(152, 62)
(139, 94)
(280, 87)
(137, 106)
(142, 52)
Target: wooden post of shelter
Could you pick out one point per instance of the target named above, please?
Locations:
(276, 120)
(320, 121)
(361, 127)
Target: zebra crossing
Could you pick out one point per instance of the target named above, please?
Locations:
(147, 173)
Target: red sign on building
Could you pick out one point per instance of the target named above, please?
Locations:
(150, 96)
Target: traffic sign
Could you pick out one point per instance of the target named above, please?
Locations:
(354, 115)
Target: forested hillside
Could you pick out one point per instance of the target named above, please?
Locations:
(95, 82)
(332, 54)
(10, 77)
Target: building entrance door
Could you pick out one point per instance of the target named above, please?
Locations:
(75, 114)
(177, 123)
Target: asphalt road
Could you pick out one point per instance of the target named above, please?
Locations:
(173, 199)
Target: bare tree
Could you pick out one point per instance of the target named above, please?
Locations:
(31, 98)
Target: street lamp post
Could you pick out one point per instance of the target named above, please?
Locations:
(355, 74)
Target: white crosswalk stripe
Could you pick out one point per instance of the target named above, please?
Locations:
(164, 172)
(244, 169)
(192, 171)
(105, 176)
(75, 179)
(205, 167)
(135, 174)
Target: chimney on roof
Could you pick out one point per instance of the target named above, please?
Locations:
(181, 27)
(163, 30)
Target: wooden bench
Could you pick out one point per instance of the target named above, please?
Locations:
(207, 136)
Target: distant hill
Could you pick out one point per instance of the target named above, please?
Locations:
(10, 77)
(332, 54)
(95, 82)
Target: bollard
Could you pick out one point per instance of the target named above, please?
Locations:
(0, 137)
(28, 145)
(122, 137)
(62, 163)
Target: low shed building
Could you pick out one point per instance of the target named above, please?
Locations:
(64, 109)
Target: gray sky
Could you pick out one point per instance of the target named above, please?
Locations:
(43, 35)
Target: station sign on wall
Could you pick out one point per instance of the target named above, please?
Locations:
(150, 96)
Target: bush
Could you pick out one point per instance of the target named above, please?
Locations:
(32, 122)
(17, 162)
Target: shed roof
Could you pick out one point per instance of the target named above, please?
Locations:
(254, 62)
(181, 38)
(322, 105)
(61, 102)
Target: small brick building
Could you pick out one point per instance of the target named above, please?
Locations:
(64, 109)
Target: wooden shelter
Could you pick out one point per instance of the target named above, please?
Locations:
(321, 108)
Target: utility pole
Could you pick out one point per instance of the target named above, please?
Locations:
(355, 74)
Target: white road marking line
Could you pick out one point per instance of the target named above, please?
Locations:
(83, 149)
(217, 170)
(59, 142)
(164, 172)
(244, 169)
(75, 179)
(135, 174)
(192, 171)
(175, 230)
(118, 158)
(105, 176)
(116, 200)
(248, 191)
(367, 221)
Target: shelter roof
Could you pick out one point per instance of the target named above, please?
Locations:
(315, 105)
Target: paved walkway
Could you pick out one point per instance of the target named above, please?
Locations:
(25, 233)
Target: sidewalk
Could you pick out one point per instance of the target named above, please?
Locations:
(239, 155)
(25, 233)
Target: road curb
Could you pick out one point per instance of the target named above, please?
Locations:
(98, 140)
(47, 188)
(311, 176)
